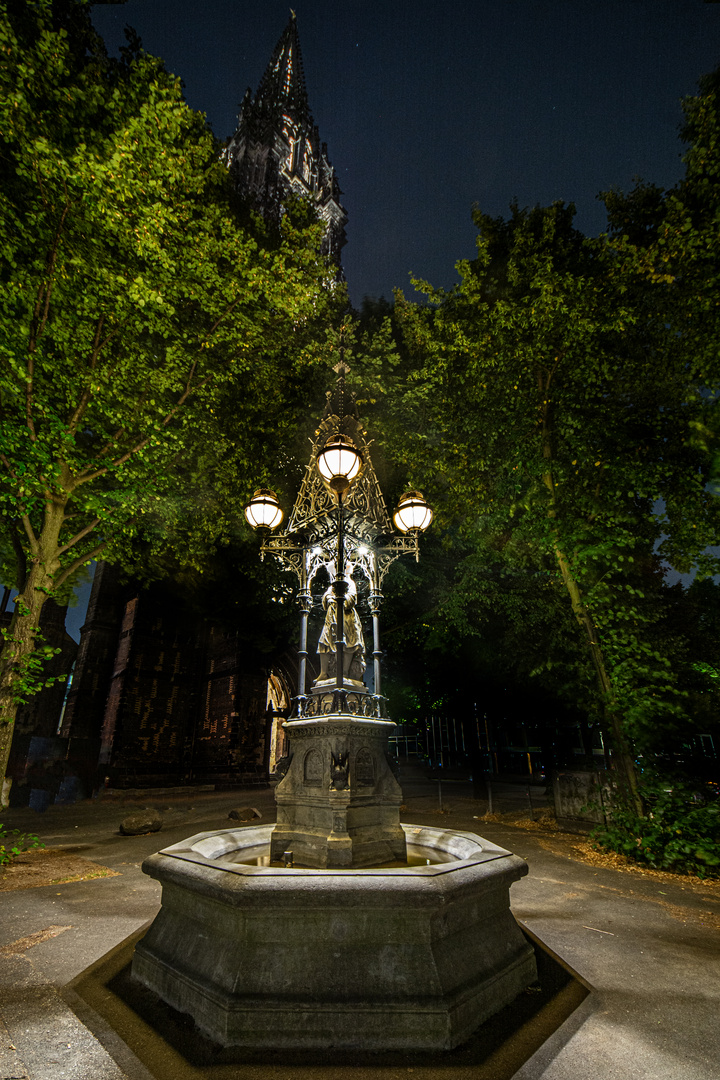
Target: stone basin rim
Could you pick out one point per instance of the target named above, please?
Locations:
(222, 842)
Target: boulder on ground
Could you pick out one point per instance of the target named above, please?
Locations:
(244, 813)
(142, 821)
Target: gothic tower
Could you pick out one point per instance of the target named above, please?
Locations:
(276, 149)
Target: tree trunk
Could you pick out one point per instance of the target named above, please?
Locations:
(621, 747)
(619, 740)
(19, 644)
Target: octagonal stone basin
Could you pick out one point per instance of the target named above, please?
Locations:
(402, 957)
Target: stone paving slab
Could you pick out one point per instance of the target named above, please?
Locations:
(42, 1038)
(11, 1067)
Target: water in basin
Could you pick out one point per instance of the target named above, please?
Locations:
(416, 856)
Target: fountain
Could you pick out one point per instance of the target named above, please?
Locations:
(339, 926)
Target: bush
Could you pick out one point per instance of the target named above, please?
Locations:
(13, 843)
(680, 832)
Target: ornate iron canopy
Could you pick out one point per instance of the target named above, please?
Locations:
(348, 534)
(314, 517)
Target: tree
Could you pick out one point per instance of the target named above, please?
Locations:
(560, 408)
(135, 311)
(542, 416)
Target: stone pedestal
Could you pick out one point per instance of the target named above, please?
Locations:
(339, 803)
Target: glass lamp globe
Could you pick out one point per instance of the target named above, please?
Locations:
(413, 513)
(339, 462)
(263, 511)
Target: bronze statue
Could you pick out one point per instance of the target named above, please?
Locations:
(353, 653)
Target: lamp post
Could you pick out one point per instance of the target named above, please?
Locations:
(339, 802)
(339, 464)
(339, 475)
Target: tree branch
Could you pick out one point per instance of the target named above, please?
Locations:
(30, 532)
(81, 561)
(224, 315)
(552, 370)
(84, 478)
(9, 467)
(87, 392)
(116, 437)
(40, 317)
(108, 445)
(23, 515)
(113, 464)
(79, 536)
(98, 346)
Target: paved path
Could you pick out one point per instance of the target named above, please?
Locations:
(649, 948)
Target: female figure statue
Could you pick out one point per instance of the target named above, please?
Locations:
(353, 666)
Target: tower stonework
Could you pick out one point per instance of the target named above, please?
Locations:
(276, 150)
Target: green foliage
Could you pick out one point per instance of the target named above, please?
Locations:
(531, 424)
(560, 410)
(680, 832)
(29, 670)
(13, 843)
(662, 248)
(136, 312)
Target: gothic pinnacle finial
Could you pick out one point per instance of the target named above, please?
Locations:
(293, 16)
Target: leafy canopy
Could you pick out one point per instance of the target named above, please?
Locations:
(551, 413)
(134, 307)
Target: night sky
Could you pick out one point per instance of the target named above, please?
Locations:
(429, 107)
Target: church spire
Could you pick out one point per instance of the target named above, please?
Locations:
(276, 150)
(282, 87)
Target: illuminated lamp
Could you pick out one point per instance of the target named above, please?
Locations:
(339, 463)
(413, 513)
(263, 511)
